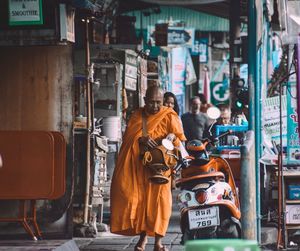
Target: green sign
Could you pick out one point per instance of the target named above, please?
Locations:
(219, 93)
(25, 12)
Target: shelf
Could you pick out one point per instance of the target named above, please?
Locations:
(293, 226)
(292, 201)
(290, 173)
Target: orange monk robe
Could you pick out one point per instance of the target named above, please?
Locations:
(136, 204)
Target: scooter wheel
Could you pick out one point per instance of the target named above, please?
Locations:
(186, 236)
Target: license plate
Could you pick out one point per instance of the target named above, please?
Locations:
(201, 218)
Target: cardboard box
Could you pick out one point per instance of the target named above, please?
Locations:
(293, 214)
(77, 124)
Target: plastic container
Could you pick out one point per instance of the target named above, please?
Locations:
(237, 130)
(112, 128)
(222, 245)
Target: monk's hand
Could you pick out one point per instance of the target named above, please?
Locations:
(148, 141)
(171, 137)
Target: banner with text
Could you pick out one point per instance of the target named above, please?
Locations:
(178, 74)
(293, 143)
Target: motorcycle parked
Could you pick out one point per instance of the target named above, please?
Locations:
(208, 199)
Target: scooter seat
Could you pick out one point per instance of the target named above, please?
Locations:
(200, 176)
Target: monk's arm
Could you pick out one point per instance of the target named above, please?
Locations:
(176, 128)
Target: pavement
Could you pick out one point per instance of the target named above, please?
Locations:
(41, 245)
(106, 241)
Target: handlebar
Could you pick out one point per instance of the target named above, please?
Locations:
(205, 142)
(182, 163)
(185, 162)
(222, 135)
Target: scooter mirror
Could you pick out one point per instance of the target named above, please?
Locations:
(213, 112)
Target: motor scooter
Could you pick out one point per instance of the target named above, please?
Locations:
(208, 199)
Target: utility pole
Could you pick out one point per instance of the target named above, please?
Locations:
(88, 125)
(234, 35)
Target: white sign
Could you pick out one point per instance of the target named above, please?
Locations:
(130, 71)
(130, 83)
(271, 121)
(176, 36)
(292, 214)
(191, 77)
(178, 69)
(25, 12)
(67, 25)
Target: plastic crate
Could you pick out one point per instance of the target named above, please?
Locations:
(222, 245)
(235, 129)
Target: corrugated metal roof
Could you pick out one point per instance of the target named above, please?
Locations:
(198, 20)
(87, 4)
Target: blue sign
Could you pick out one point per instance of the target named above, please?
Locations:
(181, 101)
(200, 48)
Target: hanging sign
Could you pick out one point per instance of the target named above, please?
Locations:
(175, 36)
(191, 77)
(293, 142)
(130, 71)
(219, 93)
(271, 119)
(178, 70)
(180, 35)
(25, 12)
(200, 48)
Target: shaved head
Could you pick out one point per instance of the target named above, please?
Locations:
(153, 89)
(153, 99)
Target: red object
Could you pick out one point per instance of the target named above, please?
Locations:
(201, 197)
(206, 87)
(34, 166)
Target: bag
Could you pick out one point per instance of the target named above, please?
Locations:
(160, 161)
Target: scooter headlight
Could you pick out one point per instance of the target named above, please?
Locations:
(201, 197)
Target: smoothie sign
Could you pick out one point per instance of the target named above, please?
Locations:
(25, 12)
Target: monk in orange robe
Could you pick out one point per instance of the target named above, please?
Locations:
(139, 207)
